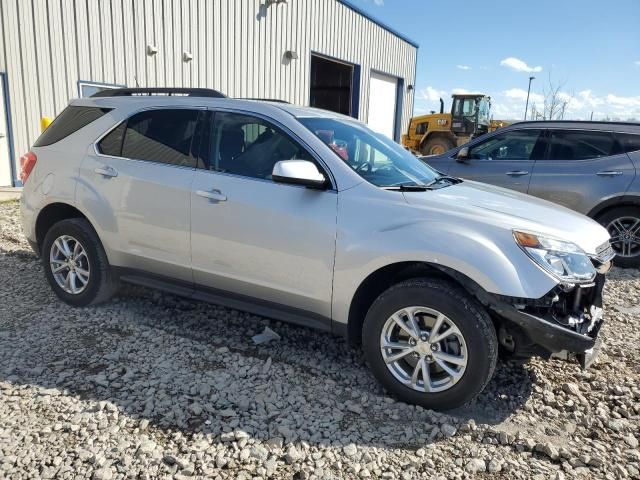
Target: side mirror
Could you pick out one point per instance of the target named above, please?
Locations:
(463, 155)
(298, 172)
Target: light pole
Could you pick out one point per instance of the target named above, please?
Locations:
(526, 108)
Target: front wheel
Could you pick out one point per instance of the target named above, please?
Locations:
(430, 343)
(437, 146)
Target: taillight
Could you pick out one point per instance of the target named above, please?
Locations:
(27, 162)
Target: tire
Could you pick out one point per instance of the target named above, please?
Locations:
(101, 283)
(473, 324)
(437, 146)
(618, 222)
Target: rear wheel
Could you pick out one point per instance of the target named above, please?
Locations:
(76, 264)
(623, 224)
(429, 343)
(437, 146)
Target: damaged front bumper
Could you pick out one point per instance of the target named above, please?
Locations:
(565, 323)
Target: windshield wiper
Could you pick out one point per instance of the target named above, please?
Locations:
(452, 180)
(408, 188)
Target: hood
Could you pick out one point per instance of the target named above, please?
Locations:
(479, 202)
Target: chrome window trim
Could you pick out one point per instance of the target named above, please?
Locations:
(263, 180)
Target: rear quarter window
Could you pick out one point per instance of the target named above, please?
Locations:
(629, 142)
(72, 119)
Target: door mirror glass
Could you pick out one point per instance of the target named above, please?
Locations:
(298, 172)
(463, 154)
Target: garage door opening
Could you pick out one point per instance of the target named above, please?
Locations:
(332, 85)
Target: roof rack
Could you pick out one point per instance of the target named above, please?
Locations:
(276, 100)
(608, 122)
(189, 92)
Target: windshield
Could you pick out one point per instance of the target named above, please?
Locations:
(376, 158)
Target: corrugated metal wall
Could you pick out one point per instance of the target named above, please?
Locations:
(47, 46)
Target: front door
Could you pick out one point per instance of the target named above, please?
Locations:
(256, 238)
(5, 160)
(505, 159)
(143, 173)
(582, 168)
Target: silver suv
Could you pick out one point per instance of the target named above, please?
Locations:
(310, 217)
(590, 167)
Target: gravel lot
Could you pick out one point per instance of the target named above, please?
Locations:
(150, 385)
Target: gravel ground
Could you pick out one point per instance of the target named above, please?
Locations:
(150, 385)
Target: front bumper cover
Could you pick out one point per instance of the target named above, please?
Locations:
(540, 327)
(549, 335)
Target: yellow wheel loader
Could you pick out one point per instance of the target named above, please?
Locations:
(435, 133)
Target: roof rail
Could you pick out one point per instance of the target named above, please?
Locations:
(587, 122)
(276, 100)
(190, 92)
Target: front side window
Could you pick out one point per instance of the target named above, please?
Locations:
(250, 146)
(580, 145)
(376, 158)
(512, 145)
(162, 136)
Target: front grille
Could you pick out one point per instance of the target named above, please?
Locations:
(604, 252)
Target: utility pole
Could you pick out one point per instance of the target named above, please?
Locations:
(526, 108)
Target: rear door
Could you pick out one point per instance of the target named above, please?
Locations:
(137, 188)
(505, 159)
(582, 168)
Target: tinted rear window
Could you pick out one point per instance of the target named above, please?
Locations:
(629, 142)
(72, 119)
(581, 145)
(163, 136)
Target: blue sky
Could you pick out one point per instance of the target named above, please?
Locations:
(590, 47)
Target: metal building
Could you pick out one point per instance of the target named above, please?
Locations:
(324, 53)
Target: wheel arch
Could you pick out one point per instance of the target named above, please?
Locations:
(383, 278)
(613, 203)
(52, 214)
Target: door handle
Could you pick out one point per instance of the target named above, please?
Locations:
(517, 173)
(106, 171)
(212, 195)
(609, 173)
(2, 135)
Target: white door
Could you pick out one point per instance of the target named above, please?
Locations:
(5, 161)
(382, 103)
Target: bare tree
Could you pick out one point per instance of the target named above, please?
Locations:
(556, 101)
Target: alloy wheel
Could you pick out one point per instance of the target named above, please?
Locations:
(423, 349)
(625, 236)
(69, 264)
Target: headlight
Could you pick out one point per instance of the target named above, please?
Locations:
(564, 260)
